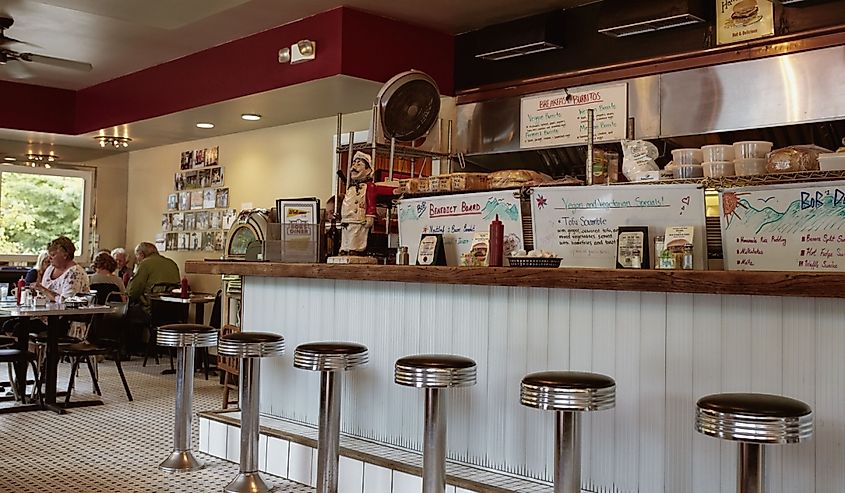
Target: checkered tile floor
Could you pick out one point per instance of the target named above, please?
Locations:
(115, 447)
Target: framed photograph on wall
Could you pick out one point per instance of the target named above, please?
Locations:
(216, 177)
(199, 158)
(222, 198)
(187, 161)
(183, 241)
(211, 156)
(191, 180)
(196, 199)
(172, 241)
(195, 241)
(208, 241)
(173, 202)
(165, 222)
(204, 179)
(215, 219)
(209, 198)
(202, 221)
(190, 221)
(219, 238)
(185, 201)
(179, 182)
(177, 221)
(229, 217)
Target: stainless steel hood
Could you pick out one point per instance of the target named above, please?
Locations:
(782, 99)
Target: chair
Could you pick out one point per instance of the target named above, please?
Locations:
(163, 313)
(99, 345)
(230, 367)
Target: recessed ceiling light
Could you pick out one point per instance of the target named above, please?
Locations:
(205, 125)
(9, 158)
(251, 117)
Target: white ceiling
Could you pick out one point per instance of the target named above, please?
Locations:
(124, 36)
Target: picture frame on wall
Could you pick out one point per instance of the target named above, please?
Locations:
(190, 221)
(229, 218)
(172, 241)
(196, 199)
(195, 241)
(219, 238)
(191, 180)
(199, 158)
(165, 222)
(173, 202)
(222, 198)
(209, 198)
(208, 241)
(187, 161)
(179, 182)
(215, 219)
(211, 156)
(202, 221)
(204, 178)
(216, 179)
(183, 241)
(185, 201)
(177, 221)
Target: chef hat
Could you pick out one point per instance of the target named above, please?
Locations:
(363, 156)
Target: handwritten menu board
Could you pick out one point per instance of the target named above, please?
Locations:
(458, 218)
(799, 227)
(579, 224)
(559, 119)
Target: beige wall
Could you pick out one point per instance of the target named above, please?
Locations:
(111, 199)
(260, 166)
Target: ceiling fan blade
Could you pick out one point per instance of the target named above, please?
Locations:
(16, 70)
(57, 62)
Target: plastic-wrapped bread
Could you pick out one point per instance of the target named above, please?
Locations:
(516, 178)
(794, 158)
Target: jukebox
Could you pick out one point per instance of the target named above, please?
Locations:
(246, 241)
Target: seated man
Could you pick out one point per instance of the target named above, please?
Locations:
(152, 269)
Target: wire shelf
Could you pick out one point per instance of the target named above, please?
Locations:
(399, 152)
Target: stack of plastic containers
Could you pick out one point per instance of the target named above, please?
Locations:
(750, 157)
(687, 163)
(718, 160)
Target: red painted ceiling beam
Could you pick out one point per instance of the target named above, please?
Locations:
(349, 42)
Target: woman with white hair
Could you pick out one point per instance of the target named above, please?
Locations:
(37, 272)
(123, 271)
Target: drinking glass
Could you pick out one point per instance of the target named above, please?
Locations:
(4, 290)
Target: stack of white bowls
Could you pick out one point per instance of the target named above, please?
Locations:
(718, 160)
(750, 157)
(687, 163)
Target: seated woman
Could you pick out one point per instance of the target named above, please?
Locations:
(104, 264)
(63, 278)
(34, 274)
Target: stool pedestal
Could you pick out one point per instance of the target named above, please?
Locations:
(330, 359)
(249, 346)
(435, 373)
(185, 338)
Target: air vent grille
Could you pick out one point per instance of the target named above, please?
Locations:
(516, 51)
(652, 25)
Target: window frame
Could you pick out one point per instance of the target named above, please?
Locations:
(89, 176)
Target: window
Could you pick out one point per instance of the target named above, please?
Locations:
(37, 205)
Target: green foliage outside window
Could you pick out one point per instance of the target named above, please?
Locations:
(35, 209)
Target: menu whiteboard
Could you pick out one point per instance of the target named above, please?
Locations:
(579, 224)
(560, 118)
(458, 218)
(797, 227)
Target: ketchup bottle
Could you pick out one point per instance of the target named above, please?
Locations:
(185, 290)
(497, 237)
(21, 284)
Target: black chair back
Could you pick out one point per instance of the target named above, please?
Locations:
(165, 312)
(103, 290)
(216, 308)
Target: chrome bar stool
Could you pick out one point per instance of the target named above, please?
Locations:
(568, 393)
(753, 420)
(184, 337)
(330, 359)
(250, 346)
(435, 372)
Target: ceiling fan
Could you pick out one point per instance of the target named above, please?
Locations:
(12, 60)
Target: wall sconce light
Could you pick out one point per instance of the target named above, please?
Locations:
(303, 51)
(113, 140)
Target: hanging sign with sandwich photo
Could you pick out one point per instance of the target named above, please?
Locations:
(743, 20)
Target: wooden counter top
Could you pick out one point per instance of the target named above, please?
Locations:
(803, 284)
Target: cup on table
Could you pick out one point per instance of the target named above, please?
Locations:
(4, 290)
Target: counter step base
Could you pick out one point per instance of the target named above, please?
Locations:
(288, 449)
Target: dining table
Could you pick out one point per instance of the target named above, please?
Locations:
(58, 318)
(198, 301)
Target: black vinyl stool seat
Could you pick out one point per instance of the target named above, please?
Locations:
(435, 373)
(250, 346)
(330, 359)
(185, 338)
(568, 393)
(753, 420)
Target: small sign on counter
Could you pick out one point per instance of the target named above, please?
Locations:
(559, 118)
(797, 227)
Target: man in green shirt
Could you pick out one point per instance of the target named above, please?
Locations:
(152, 269)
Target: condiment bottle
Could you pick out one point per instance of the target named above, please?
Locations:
(185, 290)
(687, 259)
(402, 257)
(21, 283)
(497, 238)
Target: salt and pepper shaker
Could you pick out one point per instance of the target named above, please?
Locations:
(402, 257)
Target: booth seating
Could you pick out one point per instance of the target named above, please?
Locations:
(569, 394)
(434, 373)
(330, 359)
(753, 420)
(185, 338)
(249, 346)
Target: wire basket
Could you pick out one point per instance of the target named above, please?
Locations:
(540, 262)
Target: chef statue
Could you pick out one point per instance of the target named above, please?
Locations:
(358, 211)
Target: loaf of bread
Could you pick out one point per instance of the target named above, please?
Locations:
(516, 178)
(794, 158)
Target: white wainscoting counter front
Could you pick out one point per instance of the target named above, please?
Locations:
(665, 350)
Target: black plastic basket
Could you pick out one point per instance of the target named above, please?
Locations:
(539, 262)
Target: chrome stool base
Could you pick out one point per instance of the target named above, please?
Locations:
(249, 482)
(180, 461)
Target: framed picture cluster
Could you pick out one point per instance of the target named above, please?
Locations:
(198, 213)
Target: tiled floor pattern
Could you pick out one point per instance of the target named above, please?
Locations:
(112, 448)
